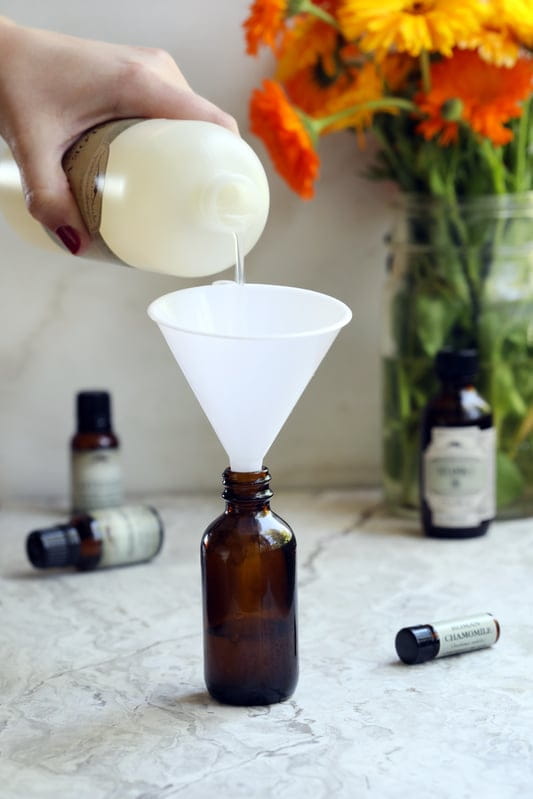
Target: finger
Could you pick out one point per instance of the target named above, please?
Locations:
(192, 106)
(48, 196)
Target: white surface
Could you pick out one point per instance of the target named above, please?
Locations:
(101, 673)
(71, 324)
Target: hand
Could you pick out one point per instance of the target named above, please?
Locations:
(53, 87)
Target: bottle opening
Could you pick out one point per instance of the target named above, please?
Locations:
(230, 203)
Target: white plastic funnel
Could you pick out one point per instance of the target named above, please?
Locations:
(248, 352)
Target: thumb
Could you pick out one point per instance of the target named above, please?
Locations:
(49, 198)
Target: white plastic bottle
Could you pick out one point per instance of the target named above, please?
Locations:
(162, 195)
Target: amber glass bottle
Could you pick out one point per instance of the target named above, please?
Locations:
(110, 537)
(96, 475)
(249, 597)
(457, 465)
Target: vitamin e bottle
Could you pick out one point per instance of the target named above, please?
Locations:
(457, 464)
(111, 537)
(96, 472)
(248, 557)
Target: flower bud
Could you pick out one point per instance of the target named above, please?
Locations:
(452, 109)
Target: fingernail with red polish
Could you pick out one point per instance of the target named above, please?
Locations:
(69, 237)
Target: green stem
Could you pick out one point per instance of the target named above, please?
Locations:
(451, 176)
(425, 71)
(308, 7)
(382, 104)
(466, 253)
(493, 159)
(403, 175)
(521, 148)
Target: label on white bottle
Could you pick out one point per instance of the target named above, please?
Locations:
(130, 534)
(463, 635)
(459, 476)
(96, 479)
(85, 165)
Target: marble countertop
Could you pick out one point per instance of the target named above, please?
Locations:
(101, 673)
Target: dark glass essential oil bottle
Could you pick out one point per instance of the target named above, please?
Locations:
(103, 538)
(248, 557)
(96, 473)
(457, 464)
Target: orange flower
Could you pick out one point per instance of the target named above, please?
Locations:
(267, 19)
(489, 96)
(367, 87)
(395, 70)
(307, 92)
(316, 90)
(304, 44)
(330, 6)
(265, 22)
(286, 137)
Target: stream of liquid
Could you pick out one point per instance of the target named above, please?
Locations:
(239, 262)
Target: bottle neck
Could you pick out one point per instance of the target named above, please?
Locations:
(246, 491)
(457, 384)
(99, 427)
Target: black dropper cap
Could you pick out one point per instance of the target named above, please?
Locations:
(456, 365)
(93, 411)
(417, 644)
(53, 547)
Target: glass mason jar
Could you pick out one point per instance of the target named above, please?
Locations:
(460, 274)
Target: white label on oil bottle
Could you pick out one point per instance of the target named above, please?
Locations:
(129, 534)
(459, 476)
(463, 635)
(96, 479)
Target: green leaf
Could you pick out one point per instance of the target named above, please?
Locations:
(506, 398)
(510, 483)
(434, 319)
